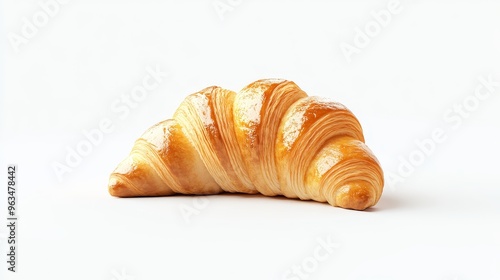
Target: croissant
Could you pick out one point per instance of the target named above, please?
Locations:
(270, 138)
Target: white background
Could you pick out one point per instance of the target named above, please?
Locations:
(439, 220)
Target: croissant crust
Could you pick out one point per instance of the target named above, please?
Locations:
(270, 138)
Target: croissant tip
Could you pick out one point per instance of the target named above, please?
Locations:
(356, 196)
(118, 188)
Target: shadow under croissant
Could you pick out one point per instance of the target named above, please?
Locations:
(384, 204)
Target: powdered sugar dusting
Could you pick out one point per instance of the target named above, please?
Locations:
(328, 160)
(274, 81)
(328, 103)
(253, 105)
(292, 128)
(200, 102)
(127, 166)
(157, 135)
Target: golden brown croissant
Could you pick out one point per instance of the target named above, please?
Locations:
(271, 138)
